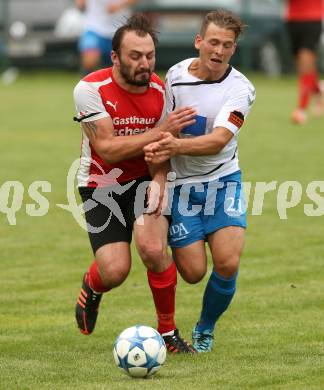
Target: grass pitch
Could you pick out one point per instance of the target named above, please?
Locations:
(271, 338)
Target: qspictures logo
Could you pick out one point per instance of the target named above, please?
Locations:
(16, 198)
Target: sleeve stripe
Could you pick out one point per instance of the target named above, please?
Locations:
(80, 119)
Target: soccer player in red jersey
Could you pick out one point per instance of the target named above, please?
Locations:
(304, 22)
(121, 109)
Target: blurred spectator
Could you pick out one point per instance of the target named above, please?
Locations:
(70, 23)
(304, 22)
(101, 20)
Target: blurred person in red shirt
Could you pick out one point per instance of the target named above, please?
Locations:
(304, 23)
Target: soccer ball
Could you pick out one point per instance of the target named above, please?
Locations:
(139, 351)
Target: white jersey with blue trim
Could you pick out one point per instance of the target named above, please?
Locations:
(221, 103)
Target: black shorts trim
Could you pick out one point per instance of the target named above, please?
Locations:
(304, 35)
(112, 216)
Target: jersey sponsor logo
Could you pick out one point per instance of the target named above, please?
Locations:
(178, 232)
(114, 106)
(198, 128)
(237, 118)
(131, 131)
(133, 120)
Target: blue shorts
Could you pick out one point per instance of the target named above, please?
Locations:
(90, 40)
(200, 209)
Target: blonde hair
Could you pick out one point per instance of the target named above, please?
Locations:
(224, 19)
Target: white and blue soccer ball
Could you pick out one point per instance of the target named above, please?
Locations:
(139, 351)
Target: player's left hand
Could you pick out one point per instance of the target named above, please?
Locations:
(161, 151)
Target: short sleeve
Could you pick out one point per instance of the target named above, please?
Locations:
(160, 87)
(88, 102)
(236, 107)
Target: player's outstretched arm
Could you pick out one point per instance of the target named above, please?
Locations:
(169, 145)
(208, 144)
(113, 148)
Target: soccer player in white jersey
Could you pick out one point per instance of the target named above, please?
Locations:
(101, 20)
(207, 201)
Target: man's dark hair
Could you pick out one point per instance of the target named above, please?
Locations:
(224, 19)
(138, 23)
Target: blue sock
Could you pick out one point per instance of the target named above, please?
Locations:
(217, 297)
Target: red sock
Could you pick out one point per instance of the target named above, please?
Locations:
(163, 287)
(316, 84)
(94, 279)
(308, 85)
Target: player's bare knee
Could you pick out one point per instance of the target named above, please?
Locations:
(113, 276)
(192, 276)
(151, 252)
(229, 267)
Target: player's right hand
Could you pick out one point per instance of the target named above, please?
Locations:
(157, 195)
(178, 119)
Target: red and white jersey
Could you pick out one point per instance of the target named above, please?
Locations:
(302, 10)
(98, 96)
